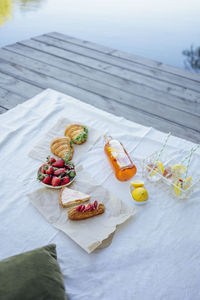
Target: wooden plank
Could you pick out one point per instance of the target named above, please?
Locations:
(2, 110)
(171, 89)
(153, 121)
(144, 70)
(106, 78)
(127, 56)
(9, 100)
(19, 87)
(110, 105)
(21, 66)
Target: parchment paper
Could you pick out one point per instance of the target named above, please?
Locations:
(89, 233)
(42, 149)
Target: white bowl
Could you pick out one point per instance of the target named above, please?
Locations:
(58, 186)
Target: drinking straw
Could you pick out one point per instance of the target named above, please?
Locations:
(188, 157)
(192, 150)
(161, 150)
(163, 146)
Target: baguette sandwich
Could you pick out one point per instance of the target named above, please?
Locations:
(83, 212)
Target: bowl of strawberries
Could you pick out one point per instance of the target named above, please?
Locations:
(56, 173)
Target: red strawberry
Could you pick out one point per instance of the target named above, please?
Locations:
(65, 180)
(69, 165)
(78, 207)
(59, 171)
(50, 170)
(44, 167)
(50, 160)
(150, 167)
(59, 163)
(88, 207)
(92, 207)
(55, 181)
(47, 179)
(82, 207)
(95, 204)
(168, 173)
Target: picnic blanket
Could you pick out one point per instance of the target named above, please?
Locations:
(154, 255)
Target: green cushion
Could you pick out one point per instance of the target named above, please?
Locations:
(32, 275)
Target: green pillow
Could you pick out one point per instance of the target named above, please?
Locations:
(32, 275)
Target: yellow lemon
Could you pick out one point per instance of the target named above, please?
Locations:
(137, 183)
(140, 194)
(187, 183)
(158, 167)
(177, 187)
(161, 166)
(178, 169)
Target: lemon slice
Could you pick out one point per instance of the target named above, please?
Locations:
(140, 194)
(178, 169)
(187, 183)
(177, 187)
(137, 183)
(159, 166)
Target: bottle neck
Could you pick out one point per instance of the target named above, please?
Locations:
(107, 138)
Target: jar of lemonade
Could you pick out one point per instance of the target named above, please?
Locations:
(119, 159)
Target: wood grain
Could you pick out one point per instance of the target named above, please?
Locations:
(119, 70)
(2, 110)
(33, 50)
(112, 60)
(9, 100)
(127, 56)
(39, 72)
(138, 89)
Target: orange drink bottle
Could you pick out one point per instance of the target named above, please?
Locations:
(119, 159)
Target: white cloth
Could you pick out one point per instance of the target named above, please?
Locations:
(154, 255)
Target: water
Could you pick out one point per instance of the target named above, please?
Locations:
(167, 30)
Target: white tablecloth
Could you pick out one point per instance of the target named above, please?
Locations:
(154, 255)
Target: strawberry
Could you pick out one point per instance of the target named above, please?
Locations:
(50, 160)
(65, 180)
(55, 181)
(92, 207)
(167, 173)
(79, 207)
(50, 170)
(95, 204)
(69, 165)
(150, 167)
(82, 207)
(44, 167)
(59, 171)
(87, 208)
(47, 180)
(40, 177)
(59, 163)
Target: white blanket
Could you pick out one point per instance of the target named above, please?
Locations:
(154, 255)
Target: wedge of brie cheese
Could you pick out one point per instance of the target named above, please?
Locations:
(69, 197)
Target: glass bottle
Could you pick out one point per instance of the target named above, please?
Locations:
(119, 159)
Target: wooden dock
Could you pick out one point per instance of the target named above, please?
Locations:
(139, 89)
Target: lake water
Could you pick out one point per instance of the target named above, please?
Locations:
(156, 29)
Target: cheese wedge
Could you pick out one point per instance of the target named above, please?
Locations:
(69, 197)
